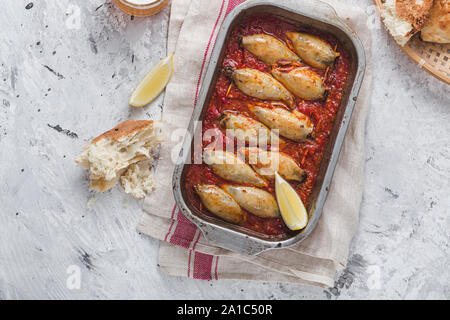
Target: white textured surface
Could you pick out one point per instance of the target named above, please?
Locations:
(79, 79)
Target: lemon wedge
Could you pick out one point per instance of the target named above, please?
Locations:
(153, 83)
(291, 206)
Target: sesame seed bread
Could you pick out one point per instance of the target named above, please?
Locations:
(404, 18)
(437, 28)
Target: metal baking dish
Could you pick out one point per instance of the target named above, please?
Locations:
(315, 14)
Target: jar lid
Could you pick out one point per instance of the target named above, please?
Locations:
(141, 8)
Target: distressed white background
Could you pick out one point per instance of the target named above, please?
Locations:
(67, 69)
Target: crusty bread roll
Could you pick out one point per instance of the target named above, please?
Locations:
(111, 154)
(437, 28)
(404, 18)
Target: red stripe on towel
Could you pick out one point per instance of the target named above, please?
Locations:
(184, 232)
(215, 271)
(173, 221)
(202, 266)
(196, 241)
(232, 4)
(189, 264)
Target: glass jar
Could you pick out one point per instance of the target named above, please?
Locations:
(141, 8)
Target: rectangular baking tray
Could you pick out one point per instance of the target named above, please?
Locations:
(315, 14)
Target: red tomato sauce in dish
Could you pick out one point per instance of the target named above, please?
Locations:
(226, 96)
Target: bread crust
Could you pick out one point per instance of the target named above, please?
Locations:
(124, 129)
(414, 12)
(437, 28)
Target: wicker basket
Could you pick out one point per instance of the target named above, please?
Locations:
(433, 57)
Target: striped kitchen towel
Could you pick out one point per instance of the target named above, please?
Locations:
(193, 29)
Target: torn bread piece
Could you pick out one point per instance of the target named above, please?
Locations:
(111, 154)
(437, 28)
(404, 18)
(138, 180)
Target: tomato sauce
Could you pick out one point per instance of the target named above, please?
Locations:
(226, 96)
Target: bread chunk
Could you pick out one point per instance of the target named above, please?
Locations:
(437, 28)
(111, 154)
(404, 18)
(138, 180)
